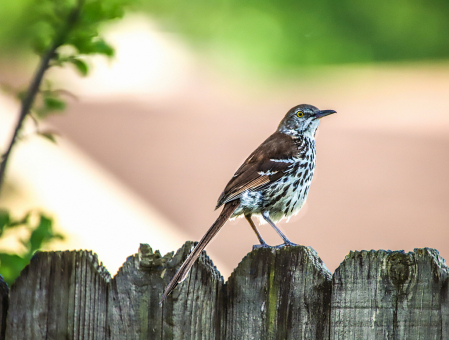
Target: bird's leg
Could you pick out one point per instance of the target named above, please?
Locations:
(287, 242)
(262, 242)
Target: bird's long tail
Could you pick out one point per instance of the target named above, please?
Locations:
(182, 272)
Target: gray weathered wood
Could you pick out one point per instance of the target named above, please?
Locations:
(278, 294)
(4, 302)
(59, 295)
(282, 293)
(191, 312)
(390, 295)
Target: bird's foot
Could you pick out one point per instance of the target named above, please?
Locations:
(262, 245)
(286, 244)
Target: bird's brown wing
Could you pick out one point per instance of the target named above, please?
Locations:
(265, 165)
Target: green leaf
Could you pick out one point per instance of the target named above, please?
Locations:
(43, 35)
(101, 47)
(54, 104)
(10, 266)
(58, 236)
(41, 234)
(23, 220)
(87, 42)
(5, 219)
(49, 136)
(80, 65)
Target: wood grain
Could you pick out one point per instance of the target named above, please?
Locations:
(285, 293)
(390, 295)
(278, 294)
(59, 295)
(4, 303)
(190, 312)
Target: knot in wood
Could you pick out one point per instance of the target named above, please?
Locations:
(399, 268)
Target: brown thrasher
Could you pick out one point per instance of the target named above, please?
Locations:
(273, 182)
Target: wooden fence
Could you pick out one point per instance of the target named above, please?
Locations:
(273, 294)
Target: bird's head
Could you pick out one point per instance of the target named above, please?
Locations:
(302, 120)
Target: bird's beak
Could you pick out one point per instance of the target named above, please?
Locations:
(324, 113)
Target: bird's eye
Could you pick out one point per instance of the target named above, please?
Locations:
(300, 114)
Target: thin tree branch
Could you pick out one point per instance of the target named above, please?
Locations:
(33, 89)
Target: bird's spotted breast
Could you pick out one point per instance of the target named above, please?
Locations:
(285, 196)
(289, 197)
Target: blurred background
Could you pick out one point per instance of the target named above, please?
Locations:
(150, 137)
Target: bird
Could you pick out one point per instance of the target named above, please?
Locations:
(272, 183)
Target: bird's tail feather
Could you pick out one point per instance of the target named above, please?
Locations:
(182, 272)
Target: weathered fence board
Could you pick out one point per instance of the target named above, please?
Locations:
(390, 295)
(60, 295)
(191, 312)
(278, 294)
(4, 302)
(282, 293)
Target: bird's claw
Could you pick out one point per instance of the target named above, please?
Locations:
(264, 245)
(286, 244)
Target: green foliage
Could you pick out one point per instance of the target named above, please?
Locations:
(273, 33)
(67, 29)
(53, 103)
(40, 229)
(49, 101)
(299, 33)
(38, 24)
(80, 66)
(60, 32)
(48, 135)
